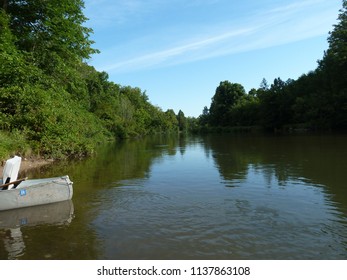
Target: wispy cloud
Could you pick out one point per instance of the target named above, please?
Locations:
(175, 52)
(271, 27)
(105, 12)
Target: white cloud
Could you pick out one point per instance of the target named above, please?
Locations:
(175, 52)
(276, 26)
(116, 12)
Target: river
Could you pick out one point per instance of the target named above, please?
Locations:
(193, 197)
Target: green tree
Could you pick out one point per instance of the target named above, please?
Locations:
(15, 71)
(264, 85)
(203, 119)
(182, 121)
(246, 111)
(227, 95)
(338, 37)
(9, 56)
(51, 96)
(276, 104)
(171, 120)
(333, 68)
(54, 35)
(205, 111)
(317, 100)
(53, 27)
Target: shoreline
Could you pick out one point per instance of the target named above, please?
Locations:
(28, 164)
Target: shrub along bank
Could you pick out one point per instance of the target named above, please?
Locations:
(52, 103)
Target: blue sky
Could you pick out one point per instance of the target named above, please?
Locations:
(178, 51)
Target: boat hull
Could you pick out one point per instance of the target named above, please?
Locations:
(36, 192)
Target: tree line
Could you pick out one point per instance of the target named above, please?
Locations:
(315, 101)
(52, 103)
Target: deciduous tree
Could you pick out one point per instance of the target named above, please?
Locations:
(227, 95)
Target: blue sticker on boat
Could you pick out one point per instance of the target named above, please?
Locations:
(22, 192)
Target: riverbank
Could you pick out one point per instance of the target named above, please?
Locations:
(28, 164)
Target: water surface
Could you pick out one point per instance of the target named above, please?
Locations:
(210, 197)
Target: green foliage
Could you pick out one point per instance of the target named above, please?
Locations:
(51, 28)
(170, 120)
(338, 38)
(14, 143)
(226, 97)
(317, 100)
(57, 104)
(182, 121)
(333, 71)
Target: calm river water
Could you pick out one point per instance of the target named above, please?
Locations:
(202, 197)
